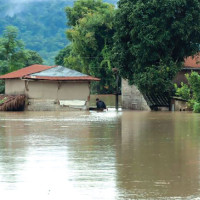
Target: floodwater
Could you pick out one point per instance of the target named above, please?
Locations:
(99, 155)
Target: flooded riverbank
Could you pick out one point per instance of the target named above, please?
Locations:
(99, 155)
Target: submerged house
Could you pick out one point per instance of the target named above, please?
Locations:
(50, 87)
(133, 99)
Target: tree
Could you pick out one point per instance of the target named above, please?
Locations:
(13, 56)
(11, 50)
(91, 37)
(32, 57)
(41, 26)
(152, 39)
(59, 59)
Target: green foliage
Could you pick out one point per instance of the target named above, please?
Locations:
(3, 100)
(194, 83)
(156, 79)
(59, 59)
(41, 24)
(191, 92)
(91, 37)
(13, 56)
(184, 91)
(2, 86)
(152, 39)
(32, 57)
(196, 107)
(81, 8)
(11, 50)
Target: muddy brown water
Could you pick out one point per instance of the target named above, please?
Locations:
(99, 155)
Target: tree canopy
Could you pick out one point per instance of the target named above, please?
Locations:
(11, 50)
(152, 39)
(13, 55)
(42, 24)
(60, 57)
(91, 37)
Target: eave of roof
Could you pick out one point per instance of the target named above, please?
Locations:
(25, 71)
(81, 78)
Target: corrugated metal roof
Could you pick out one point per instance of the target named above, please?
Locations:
(59, 71)
(43, 72)
(25, 71)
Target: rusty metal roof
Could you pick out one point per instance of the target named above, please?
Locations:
(192, 62)
(25, 71)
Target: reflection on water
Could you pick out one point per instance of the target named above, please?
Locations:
(99, 155)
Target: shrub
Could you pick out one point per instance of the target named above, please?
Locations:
(191, 92)
(196, 107)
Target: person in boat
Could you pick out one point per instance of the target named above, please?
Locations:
(100, 104)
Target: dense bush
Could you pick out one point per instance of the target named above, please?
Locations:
(191, 91)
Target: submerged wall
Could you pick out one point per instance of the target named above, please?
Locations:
(132, 97)
(58, 90)
(51, 95)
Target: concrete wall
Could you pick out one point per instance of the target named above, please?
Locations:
(14, 86)
(49, 90)
(45, 95)
(58, 91)
(179, 105)
(50, 105)
(132, 98)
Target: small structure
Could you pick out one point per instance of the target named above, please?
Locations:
(50, 87)
(179, 104)
(133, 99)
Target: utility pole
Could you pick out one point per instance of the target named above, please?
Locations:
(116, 72)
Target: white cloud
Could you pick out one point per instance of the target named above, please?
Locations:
(17, 6)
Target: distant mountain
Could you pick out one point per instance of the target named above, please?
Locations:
(42, 23)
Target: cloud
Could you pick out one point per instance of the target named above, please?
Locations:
(17, 6)
(25, 1)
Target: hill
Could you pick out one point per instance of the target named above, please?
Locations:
(41, 24)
